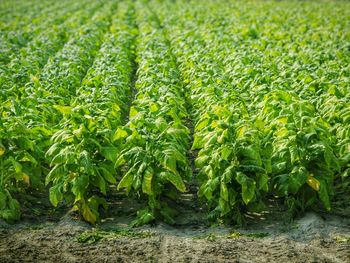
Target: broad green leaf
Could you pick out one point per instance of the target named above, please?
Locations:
(53, 149)
(85, 162)
(224, 206)
(108, 174)
(323, 194)
(331, 161)
(29, 158)
(55, 195)
(161, 124)
(79, 186)
(225, 152)
(175, 179)
(147, 181)
(154, 107)
(201, 161)
(283, 132)
(133, 112)
(59, 158)
(198, 142)
(56, 171)
(110, 153)
(120, 161)
(202, 124)
(248, 187)
(263, 182)
(126, 181)
(240, 132)
(223, 191)
(143, 217)
(120, 134)
(101, 184)
(3, 199)
(16, 165)
(170, 163)
(250, 152)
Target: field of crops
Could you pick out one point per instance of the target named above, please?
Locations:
(240, 102)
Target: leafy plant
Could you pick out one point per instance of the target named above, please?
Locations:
(156, 140)
(85, 148)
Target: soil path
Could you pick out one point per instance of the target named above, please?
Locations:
(311, 238)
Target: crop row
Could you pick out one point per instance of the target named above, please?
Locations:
(106, 93)
(156, 138)
(27, 64)
(256, 135)
(20, 32)
(28, 122)
(84, 148)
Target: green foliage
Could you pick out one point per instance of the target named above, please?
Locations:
(101, 93)
(155, 139)
(85, 147)
(270, 117)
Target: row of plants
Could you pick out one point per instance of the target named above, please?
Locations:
(317, 78)
(254, 138)
(85, 147)
(27, 64)
(106, 96)
(8, 8)
(231, 166)
(155, 139)
(10, 11)
(19, 30)
(28, 122)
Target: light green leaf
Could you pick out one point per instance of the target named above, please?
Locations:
(126, 181)
(79, 186)
(248, 187)
(63, 109)
(175, 179)
(223, 191)
(120, 134)
(110, 153)
(55, 195)
(147, 181)
(108, 174)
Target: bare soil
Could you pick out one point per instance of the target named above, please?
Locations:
(267, 237)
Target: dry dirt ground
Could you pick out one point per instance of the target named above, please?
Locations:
(313, 237)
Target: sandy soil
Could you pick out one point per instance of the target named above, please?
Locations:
(266, 238)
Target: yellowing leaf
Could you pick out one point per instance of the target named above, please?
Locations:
(133, 112)
(63, 109)
(147, 181)
(202, 124)
(26, 178)
(214, 124)
(88, 215)
(282, 120)
(34, 78)
(241, 131)
(282, 132)
(2, 151)
(154, 107)
(313, 183)
(120, 134)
